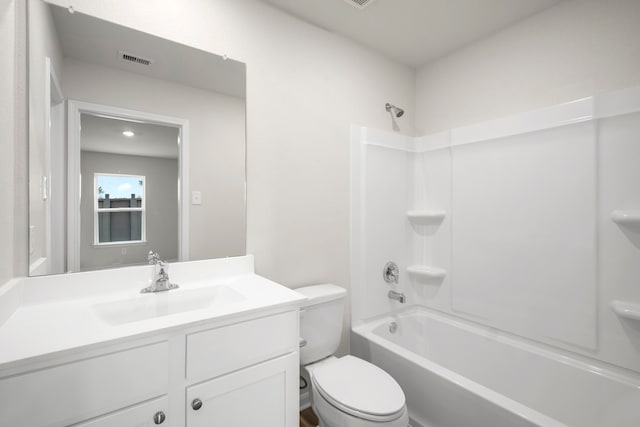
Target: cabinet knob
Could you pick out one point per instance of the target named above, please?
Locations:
(159, 417)
(196, 404)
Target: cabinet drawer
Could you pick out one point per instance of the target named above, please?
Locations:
(218, 351)
(135, 416)
(72, 392)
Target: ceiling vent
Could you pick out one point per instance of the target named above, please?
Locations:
(134, 58)
(360, 4)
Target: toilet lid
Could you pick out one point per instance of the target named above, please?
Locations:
(352, 383)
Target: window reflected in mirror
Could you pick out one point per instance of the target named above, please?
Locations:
(119, 214)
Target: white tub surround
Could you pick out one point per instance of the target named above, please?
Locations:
(527, 225)
(501, 221)
(88, 336)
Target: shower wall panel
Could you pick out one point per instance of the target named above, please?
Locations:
(380, 201)
(524, 235)
(618, 245)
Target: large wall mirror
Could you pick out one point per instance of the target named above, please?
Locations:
(136, 144)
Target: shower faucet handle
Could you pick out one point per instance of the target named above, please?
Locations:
(390, 272)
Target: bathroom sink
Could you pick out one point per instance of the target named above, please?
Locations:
(149, 306)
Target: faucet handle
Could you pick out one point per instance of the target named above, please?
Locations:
(390, 272)
(153, 257)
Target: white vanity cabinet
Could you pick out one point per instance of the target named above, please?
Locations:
(231, 373)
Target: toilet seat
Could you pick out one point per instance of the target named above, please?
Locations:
(359, 388)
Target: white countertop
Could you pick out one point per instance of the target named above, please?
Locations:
(56, 314)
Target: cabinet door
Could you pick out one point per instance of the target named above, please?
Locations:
(143, 415)
(264, 395)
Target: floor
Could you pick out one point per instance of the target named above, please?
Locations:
(308, 418)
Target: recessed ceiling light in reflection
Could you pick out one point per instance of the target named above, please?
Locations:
(128, 133)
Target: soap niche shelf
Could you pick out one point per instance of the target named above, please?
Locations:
(426, 272)
(626, 218)
(626, 309)
(426, 216)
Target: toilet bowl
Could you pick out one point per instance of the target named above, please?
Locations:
(346, 391)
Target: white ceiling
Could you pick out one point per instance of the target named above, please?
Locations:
(104, 135)
(413, 32)
(96, 41)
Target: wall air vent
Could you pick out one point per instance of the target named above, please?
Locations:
(360, 4)
(134, 58)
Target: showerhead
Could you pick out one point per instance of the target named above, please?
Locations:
(396, 110)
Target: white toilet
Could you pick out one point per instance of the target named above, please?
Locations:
(346, 391)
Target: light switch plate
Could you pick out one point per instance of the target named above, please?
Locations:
(196, 198)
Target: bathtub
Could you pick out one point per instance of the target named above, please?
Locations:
(458, 374)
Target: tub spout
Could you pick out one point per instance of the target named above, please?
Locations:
(396, 296)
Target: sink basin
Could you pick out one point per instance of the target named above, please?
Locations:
(149, 306)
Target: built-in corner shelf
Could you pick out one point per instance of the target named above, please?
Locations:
(426, 216)
(426, 272)
(628, 218)
(626, 309)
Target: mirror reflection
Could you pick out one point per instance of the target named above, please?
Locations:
(129, 196)
(136, 143)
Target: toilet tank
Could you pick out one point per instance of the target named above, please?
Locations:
(320, 321)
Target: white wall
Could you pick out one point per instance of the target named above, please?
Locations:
(305, 87)
(8, 130)
(216, 145)
(13, 102)
(161, 203)
(573, 50)
(43, 42)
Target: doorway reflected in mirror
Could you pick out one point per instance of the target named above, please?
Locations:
(129, 191)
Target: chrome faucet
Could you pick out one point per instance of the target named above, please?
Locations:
(390, 272)
(396, 296)
(159, 276)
